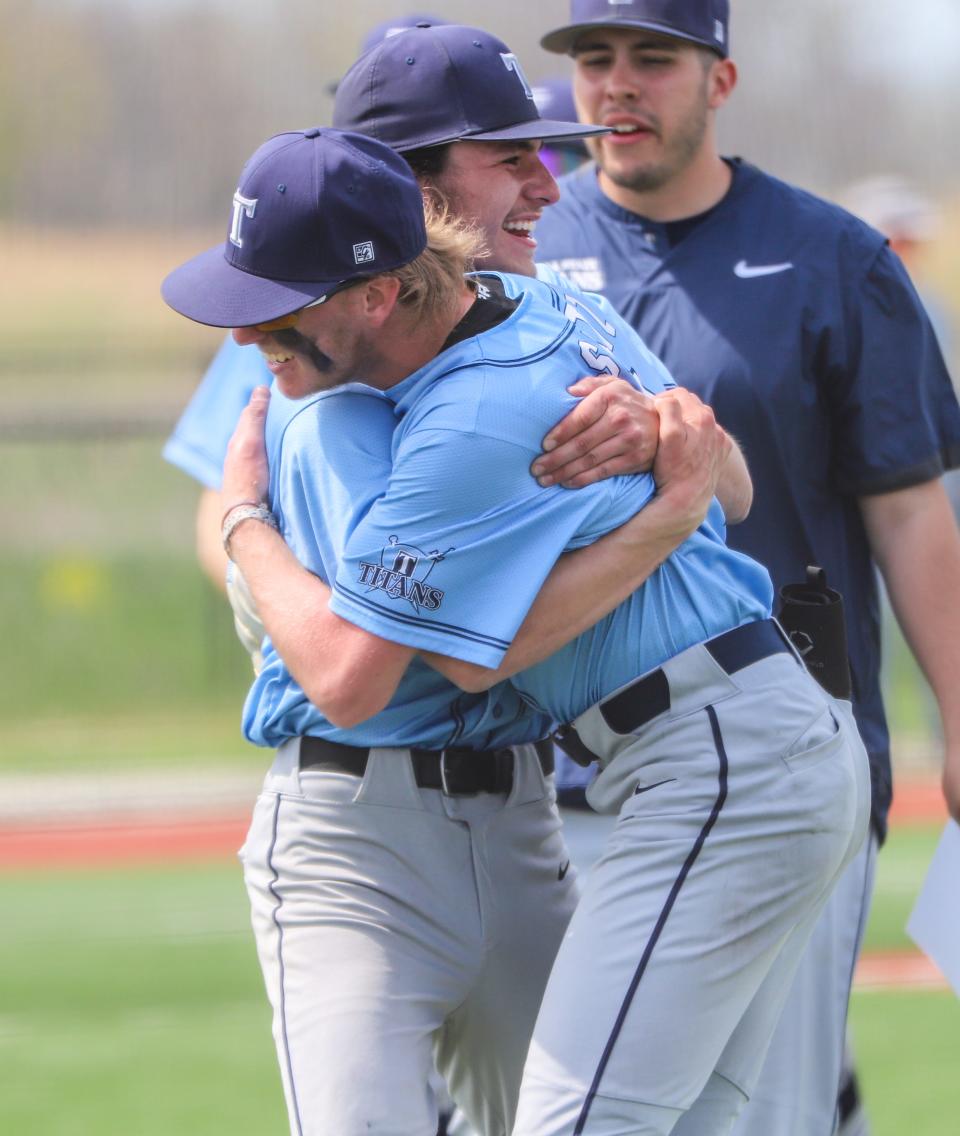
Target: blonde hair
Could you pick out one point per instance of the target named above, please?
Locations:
(433, 282)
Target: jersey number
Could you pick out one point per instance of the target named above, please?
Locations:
(597, 354)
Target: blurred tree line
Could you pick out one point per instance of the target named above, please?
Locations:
(139, 112)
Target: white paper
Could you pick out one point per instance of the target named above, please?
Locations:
(934, 923)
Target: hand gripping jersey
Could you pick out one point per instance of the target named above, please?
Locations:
(796, 323)
(451, 557)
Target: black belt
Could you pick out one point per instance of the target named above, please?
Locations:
(649, 696)
(458, 771)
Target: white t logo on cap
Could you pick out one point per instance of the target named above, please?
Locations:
(242, 207)
(363, 253)
(511, 63)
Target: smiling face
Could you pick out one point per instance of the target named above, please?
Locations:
(657, 94)
(329, 346)
(502, 187)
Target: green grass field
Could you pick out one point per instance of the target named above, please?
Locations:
(132, 1004)
(906, 1042)
(901, 867)
(122, 661)
(906, 1046)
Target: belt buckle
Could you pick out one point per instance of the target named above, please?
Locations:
(445, 785)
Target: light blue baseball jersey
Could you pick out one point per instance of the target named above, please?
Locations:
(451, 557)
(276, 707)
(329, 460)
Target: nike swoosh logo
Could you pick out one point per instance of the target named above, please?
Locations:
(656, 785)
(748, 271)
(564, 868)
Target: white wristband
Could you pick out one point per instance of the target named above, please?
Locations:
(244, 512)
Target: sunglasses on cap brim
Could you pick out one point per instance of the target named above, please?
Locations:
(282, 323)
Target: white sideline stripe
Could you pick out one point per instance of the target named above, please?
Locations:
(180, 791)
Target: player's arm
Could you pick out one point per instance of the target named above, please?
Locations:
(614, 429)
(210, 554)
(915, 542)
(894, 411)
(345, 671)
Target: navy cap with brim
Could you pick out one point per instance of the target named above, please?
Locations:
(210, 290)
(314, 209)
(433, 85)
(561, 41)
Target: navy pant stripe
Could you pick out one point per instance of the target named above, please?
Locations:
(661, 921)
(282, 1007)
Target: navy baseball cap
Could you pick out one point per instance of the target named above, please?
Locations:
(387, 30)
(704, 22)
(432, 85)
(314, 209)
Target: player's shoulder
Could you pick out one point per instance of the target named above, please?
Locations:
(551, 276)
(536, 328)
(483, 383)
(547, 287)
(327, 419)
(802, 216)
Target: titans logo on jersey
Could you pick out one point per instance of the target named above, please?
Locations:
(402, 574)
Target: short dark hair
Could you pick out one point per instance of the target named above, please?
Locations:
(427, 161)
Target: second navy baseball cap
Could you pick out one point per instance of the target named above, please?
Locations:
(314, 209)
(432, 85)
(703, 22)
(385, 30)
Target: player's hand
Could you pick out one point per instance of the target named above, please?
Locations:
(613, 429)
(692, 450)
(245, 473)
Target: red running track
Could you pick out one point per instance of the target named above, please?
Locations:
(89, 843)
